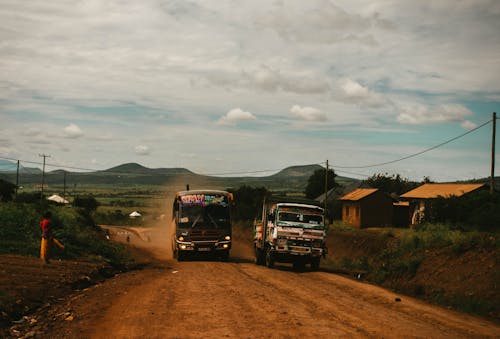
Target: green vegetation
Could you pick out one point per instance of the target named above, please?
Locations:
(478, 211)
(316, 183)
(393, 258)
(392, 183)
(20, 233)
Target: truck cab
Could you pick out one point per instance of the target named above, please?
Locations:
(290, 232)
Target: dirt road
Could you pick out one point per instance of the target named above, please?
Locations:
(204, 298)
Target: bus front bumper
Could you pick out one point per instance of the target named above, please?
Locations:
(203, 246)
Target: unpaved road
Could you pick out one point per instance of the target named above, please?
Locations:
(209, 299)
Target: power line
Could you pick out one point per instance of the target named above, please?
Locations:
(421, 152)
(338, 168)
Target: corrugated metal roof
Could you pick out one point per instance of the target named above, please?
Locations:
(359, 194)
(428, 191)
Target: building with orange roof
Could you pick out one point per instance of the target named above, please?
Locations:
(367, 207)
(420, 196)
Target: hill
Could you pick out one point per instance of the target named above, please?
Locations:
(291, 179)
(11, 167)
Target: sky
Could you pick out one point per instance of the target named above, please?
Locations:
(225, 87)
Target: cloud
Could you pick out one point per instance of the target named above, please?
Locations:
(142, 150)
(420, 115)
(308, 113)
(355, 93)
(32, 132)
(72, 131)
(234, 116)
(319, 22)
(468, 125)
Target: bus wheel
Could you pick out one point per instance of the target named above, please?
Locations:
(269, 258)
(224, 256)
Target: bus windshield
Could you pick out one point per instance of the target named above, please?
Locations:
(204, 217)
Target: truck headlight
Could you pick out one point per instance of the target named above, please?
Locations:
(228, 237)
(181, 238)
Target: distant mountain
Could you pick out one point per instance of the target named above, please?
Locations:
(130, 167)
(297, 171)
(7, 166)
(133, 168)
(11, 167)
(290, 179)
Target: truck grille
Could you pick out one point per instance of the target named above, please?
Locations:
(201, 235)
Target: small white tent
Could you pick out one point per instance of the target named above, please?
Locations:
(134, 214)
(58, 199)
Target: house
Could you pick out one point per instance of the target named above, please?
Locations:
(367, 207)
(419, 196)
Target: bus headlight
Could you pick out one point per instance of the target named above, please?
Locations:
(228, 237)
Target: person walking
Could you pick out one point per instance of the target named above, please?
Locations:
(45, 246)
(47, 238)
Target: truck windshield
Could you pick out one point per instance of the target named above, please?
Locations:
(204, 217)
(301, 218)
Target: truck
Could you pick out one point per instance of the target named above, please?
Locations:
(201, 223)
(290, 232)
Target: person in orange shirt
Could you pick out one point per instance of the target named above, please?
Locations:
(46, 225)
(47, 238)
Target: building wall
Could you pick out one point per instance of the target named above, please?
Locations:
(375, 210)
(351, 213)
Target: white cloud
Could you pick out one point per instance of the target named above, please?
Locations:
(420, 115)
(308, 113)
(355, 93)
(234, 116)
(468, 125)
(72, 131)
(142, 150)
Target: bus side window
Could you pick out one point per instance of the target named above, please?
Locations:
(175, 210)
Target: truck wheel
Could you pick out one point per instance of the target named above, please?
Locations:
(298, 265)
(180, 256)
(259, 257)
(269, 259)
(315, 263)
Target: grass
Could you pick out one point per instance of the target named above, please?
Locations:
(20, 234)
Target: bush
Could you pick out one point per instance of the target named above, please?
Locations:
(20, 233)
(477, 211)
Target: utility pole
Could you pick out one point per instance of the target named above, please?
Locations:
(326, 190)
(43, 174)
(64, 189)
(17, 177)
(492, 177)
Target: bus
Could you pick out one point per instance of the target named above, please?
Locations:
(201, 223)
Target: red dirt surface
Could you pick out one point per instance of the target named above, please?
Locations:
(207, 298)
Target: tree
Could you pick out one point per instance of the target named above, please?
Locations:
(88, 203)
(248, 202)
(391, 183)
(316, 183)
(7, 190)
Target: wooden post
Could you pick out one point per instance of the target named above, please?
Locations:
(492, 177)
(326, 191)
(17, 178)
